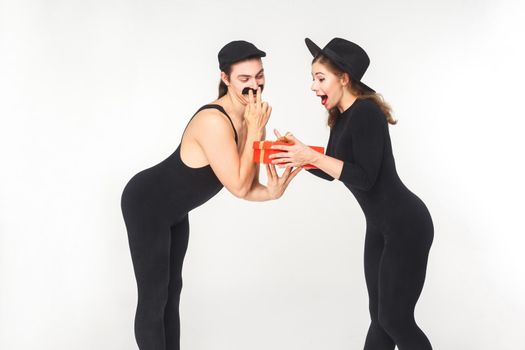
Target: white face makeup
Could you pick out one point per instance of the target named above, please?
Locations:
(244, 74)
(326, 85)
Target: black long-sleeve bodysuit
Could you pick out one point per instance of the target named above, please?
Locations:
(399, 229)
(155, 204)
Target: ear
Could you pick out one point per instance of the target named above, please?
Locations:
(345, 79)
(225, 79)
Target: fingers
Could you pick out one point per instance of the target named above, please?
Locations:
(292, 175)
(264, 111)
(290, 137)
(287, 173)
(282, 147)
(264, 107)
(281, 160)
(297, 171)
(277, 133)
(273, 171)
(289, 164)
(258, 104)
(266, 115)
(278, 155)
(250, 97)
(259, 95)
(247, 110)
(282, 179)
(283, 176)
(269, 172)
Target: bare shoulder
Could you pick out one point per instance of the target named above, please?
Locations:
(211, 121)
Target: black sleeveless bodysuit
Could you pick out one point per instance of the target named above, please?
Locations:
(155, 205)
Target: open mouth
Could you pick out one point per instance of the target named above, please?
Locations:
(324, 98)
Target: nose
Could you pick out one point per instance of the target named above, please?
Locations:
(313, 87)
(253, 84)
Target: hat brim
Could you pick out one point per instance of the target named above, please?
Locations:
(312, 47)
(366, 87)
(316, 50)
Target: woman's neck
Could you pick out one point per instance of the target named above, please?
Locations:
(346, 101)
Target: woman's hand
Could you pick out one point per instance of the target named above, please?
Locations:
(278, 184)
(295, 155)
(256, 113)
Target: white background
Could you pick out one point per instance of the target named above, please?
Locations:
(92, 92)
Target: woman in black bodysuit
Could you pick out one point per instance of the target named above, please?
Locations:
(399, 229)
(215, 150)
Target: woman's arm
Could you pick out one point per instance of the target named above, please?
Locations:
(367, 139)
(317, 172)
(369, 129)
(299, 154)
(327, 165)
(321, 174)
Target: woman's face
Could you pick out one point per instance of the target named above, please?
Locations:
(249, 73)
(328, 86)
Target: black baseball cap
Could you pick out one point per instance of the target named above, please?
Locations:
(236, 51)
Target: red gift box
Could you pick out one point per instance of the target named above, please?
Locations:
(262, 150)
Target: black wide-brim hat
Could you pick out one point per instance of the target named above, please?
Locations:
(346, 55)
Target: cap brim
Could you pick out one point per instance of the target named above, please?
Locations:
(251, 54)
(314, 49)
(261, 53)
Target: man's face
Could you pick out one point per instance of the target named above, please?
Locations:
(245, 75)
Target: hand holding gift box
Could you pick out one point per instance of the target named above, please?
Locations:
(266, 151)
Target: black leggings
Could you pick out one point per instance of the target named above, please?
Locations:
(158, 253)
(395, 267)
(155, 205)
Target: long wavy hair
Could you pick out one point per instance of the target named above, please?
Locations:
(356, 90)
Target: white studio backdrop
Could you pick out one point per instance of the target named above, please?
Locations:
(92, 92)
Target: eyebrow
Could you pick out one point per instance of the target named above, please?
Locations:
(249, 76)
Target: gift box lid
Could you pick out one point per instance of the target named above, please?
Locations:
(268, 144)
